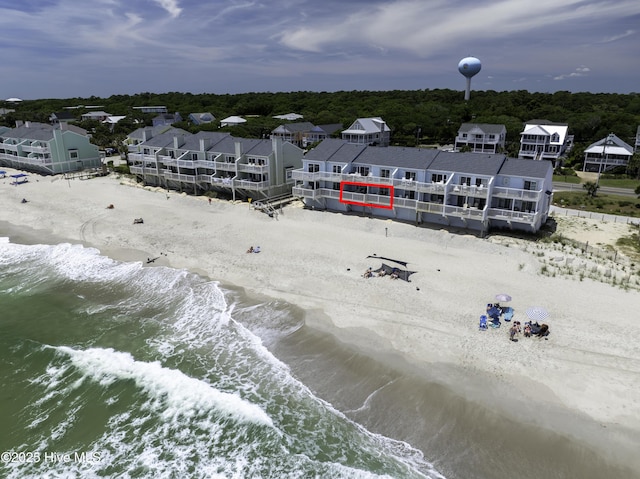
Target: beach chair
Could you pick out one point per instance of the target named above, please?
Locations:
(495, 323)
(483, 323)
(508, 313)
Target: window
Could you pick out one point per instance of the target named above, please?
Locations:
(384, 173)
(313, 168)
(363, 170)
(73, 154)
(410, 175)
(530, 185)
(465, 180)
(438, 178)
(337, 169)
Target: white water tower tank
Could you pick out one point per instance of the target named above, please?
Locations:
(469, 67)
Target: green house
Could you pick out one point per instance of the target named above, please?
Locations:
(47, 149)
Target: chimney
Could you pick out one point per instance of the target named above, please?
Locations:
(238, 149)
(178, 141)
(205, 143)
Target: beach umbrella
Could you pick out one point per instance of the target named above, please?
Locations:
(503, 297)
(537, 313)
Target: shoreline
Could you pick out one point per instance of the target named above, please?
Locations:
(582, 378)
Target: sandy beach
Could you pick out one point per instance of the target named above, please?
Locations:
(581, 382)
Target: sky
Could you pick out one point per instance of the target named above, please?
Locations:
(83, 48)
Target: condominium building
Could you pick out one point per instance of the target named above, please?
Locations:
(467, 190)
(47, 149)
(481, 138)
(214, 161)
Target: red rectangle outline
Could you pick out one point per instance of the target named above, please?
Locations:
(371, 205)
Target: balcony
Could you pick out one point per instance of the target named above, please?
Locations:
(517, 194)
(36, 149)
(428, 207)
(225, 166)
(510, 215)
(252, 168)
(251, 185)
(464, 212)
(169, 175)
(218, 181)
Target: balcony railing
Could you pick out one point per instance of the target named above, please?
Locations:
(179, 177)
(472, 190)
(250, 168)
(428, 207)
(464, 212)
(516, 193)
(36, 149)
(251, 185)
(510, 215)
(225, 166)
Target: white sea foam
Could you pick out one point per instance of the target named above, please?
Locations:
(172, 390)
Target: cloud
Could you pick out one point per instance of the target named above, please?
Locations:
(579, 72)
(170, 6)
(617, 37)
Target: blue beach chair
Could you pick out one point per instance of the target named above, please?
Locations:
(508, 313)
(483, 323)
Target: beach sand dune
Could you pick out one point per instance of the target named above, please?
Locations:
(584, 377)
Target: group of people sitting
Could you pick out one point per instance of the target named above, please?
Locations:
(530, 329)
(253, 250)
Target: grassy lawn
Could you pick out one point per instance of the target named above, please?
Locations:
(612, 182)
(609, 204)
(623, 183)
(567, 179)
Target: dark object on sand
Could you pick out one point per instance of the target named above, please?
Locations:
(138, 221)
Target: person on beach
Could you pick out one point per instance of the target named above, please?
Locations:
(368, 273)
(527, 331)
(512, 332)
(250, 250)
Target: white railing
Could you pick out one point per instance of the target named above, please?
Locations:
(225, 166)
(249, 168)
(428, 207)
(252, 185)
(510, 215)
(516, 193)
(464, 212)
(179, 177)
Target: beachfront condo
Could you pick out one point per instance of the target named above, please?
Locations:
(473, 191)
(239, 168)
(48, 149)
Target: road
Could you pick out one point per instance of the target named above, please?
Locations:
(606, 190)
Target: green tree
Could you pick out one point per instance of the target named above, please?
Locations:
(591, 187)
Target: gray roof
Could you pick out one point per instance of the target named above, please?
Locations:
(296, 127)
(156, 130)
(192, 142)
(335, 150)
(472, 163)
(35, 131)
(485, 127)
(333, 127)
(527, 168)
(398, 156)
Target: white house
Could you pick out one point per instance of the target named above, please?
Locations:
(607, 154)
(368, 131)
(637, 145)
(232, 121)
(544, 140)
(481, 137)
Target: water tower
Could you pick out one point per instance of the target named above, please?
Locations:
(469, 67)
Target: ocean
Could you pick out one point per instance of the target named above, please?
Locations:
(119, 369)
(113, 369)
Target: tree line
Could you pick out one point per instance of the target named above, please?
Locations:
(414, 116)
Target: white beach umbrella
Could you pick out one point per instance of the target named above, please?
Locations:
(503, 297)
(537, 313)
